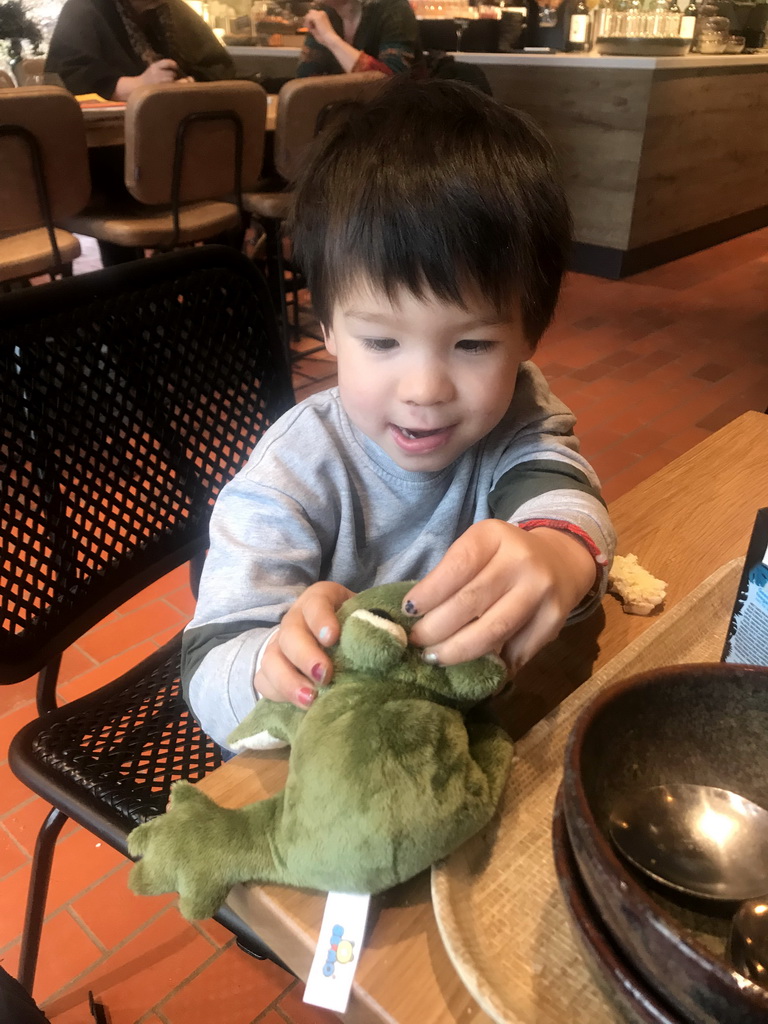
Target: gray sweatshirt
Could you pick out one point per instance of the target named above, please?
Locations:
(318, 500)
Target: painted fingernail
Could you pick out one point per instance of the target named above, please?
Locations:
(318, 672)
(307, 695)
(430, 657)
(410, 608)
(324, 635)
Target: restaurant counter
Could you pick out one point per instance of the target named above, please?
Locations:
(661, 156)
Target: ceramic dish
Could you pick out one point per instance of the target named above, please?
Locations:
(701, 724)
(637, 1003)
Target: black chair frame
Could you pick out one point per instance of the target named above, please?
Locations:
(178, 160)
(129, 397)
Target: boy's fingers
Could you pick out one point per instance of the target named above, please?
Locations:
(319, 611)
(504, 619)
(468, 603)
(542, 628)
(280, 680)
(304, 653)
(462, 562)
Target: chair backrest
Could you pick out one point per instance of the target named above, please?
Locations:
(42, 122)
(201, 119)
(129, 397)
(301, 103)
(6, 80)
(29, 66)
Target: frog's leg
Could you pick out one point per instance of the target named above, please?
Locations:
(271, 724)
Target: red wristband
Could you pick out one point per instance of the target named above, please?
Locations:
(560, 524)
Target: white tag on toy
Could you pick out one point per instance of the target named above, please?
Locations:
(337, 952)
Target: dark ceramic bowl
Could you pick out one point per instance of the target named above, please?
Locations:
(637, 1003)
(701, 724)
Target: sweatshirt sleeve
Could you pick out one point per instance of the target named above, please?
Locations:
(263, 553)
(544, 480)
(89, 49)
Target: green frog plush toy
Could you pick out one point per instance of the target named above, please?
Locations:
(389, 771)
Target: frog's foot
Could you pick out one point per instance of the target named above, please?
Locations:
(270, 725)
(200, 849)
(178, 852)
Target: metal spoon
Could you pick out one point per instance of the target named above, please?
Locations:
(700, 840)
(748, 941)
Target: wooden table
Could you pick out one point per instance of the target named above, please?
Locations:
(682, 523)
(104, 126)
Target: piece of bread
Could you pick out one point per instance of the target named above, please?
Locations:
(639, 591)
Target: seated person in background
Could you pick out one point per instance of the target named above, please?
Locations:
(360, 35)
(433, 233)
(112, 46)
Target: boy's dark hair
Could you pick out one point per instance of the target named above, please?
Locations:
(434, 187)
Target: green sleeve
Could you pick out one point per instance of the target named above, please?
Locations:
(533, 478)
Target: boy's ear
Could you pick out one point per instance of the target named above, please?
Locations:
(330, 341)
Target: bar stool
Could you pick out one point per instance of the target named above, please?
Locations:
(44, 179)
(190, 150)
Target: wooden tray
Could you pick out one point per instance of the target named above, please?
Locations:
(497, 899)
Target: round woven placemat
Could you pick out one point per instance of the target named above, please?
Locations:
(497, 899)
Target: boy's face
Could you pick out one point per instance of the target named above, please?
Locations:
(422, 378)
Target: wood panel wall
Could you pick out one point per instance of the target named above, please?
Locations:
(705, 151)
(647, 155)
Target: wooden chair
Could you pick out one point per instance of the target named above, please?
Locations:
(43, 178)
(189, 147)
(130, 396)
(305, 106)
(6, 80)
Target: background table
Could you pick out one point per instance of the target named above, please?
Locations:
(682, 523)
(105, 126)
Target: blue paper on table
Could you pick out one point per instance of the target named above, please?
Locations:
(747, 639)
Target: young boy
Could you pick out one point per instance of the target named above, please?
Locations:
(433, 234)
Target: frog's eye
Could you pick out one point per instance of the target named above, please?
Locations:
(381, 614)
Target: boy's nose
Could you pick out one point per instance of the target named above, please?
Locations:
(427, 385)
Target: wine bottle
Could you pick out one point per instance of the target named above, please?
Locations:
(673, 20)
(578, 29)
(688, 21)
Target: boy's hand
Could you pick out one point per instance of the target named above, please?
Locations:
(294, 662)
(500, 588)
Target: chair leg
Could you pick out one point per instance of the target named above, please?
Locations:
(37, 896)
(276, 279)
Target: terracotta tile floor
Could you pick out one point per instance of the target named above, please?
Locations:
(652, 365)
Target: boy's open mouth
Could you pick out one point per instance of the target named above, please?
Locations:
(420, 442)
(420, 433)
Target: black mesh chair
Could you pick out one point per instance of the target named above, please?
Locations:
(129, 397)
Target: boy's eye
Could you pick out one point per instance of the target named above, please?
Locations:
(379, 344)
(475, 345)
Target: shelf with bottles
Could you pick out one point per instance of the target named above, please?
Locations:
(644, 19)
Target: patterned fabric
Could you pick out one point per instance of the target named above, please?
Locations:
(387, 36)
(140, 45)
